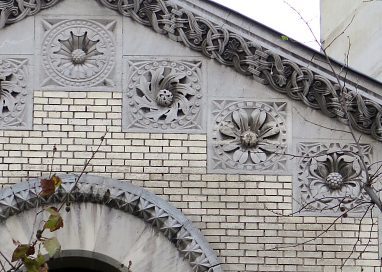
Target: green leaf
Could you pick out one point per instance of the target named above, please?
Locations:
(31, 265)
(20, 252)
(57, 181)
(36, 265)
(284, 38)
(40, 259)
(54, 221)
(52, 246)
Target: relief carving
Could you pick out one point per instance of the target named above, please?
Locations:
(14, 94)
(249, 136)
(249, 58)
(161, 216)
(78, 53)
(297, 81)
(12, 11)
(163, 95)
(330, 177)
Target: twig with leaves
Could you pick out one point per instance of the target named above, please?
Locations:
(29, 255)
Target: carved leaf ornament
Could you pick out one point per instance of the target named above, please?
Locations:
(165, 95)
(12, 11)
(249, 136)
(13, 92)
(78, 53)
(331, 179)
(229, 48)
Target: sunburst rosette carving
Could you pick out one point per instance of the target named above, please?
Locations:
(164, 95)
(249, 136)
(78, 53)
(330, 178)
(15, 98)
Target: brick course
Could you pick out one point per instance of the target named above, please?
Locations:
(240, 215)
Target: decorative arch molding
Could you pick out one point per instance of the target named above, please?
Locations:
(125, 197)
(312, 86)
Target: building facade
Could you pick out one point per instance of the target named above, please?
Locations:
(222, 147)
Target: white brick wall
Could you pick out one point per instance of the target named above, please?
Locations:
(233, 211)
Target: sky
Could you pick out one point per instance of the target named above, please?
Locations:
(279, 16)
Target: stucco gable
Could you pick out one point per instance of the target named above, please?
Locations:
(250, 48)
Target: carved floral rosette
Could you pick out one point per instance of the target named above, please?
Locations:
(330, 178)
(78, 53)
(163, 95)
(280, 72)
(248, 136)
(14, 94)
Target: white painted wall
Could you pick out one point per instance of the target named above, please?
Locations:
(365, 33)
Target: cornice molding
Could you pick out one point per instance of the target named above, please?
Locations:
(124, 196)
(283, 74)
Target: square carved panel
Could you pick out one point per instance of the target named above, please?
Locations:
(15, 93)
(79, 53)
(247, 136)
(329, 178)
(163, 96)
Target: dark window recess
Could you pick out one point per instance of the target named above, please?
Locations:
(79, 264)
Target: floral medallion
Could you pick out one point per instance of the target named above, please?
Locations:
(330, 177)
(78, 53)
(163, 95)
(248, 136)
(14, 95)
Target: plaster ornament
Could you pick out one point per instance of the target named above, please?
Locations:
(79, 53)
(164, 94)
(330, 177)
(124, 196)
(164, 98)
(250, 136)
(14, 94)
(314, 89)
(12, 11)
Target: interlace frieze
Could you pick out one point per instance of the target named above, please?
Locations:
(245, 56)
(124, 196)
(330, 177)
(248, 136)
(78, 53)
(261, 63)
(15, 96)
(163, 95)
(12, 11)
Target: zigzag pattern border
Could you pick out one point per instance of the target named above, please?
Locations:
(123, 196)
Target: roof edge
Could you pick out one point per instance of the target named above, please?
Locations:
(252, 50)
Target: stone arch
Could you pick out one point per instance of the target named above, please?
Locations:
(103, 199)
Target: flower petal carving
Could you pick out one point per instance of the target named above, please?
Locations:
(330, 178)
(258, 119)
(230, 146)
(164, 95)
(258, 156)
(269, 129)
(78, 53)
(14, 94)
(247, 136)
(229, 129)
